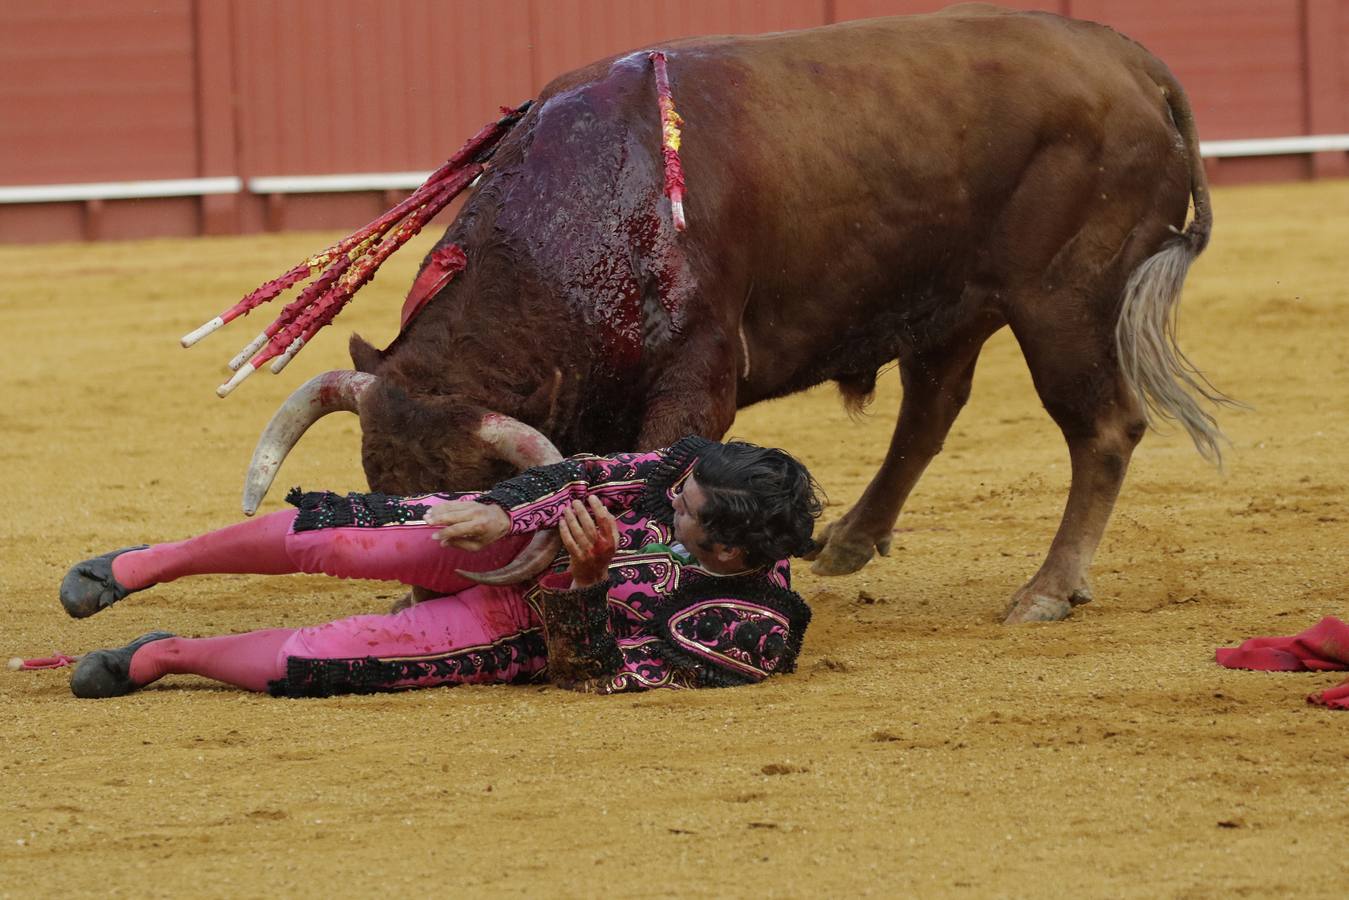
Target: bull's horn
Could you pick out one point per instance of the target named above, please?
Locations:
(340, 389)
(537, 555)
(517, 443)
(523, 447)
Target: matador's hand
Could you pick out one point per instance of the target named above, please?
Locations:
(591, 539)
(469, 525)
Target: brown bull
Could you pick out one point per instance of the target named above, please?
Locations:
(879, 190)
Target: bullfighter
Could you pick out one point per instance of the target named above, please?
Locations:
(676, 575)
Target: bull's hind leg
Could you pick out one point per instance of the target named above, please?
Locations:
(936, 387)
(1077, 376)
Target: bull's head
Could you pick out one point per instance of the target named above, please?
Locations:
(474, 447)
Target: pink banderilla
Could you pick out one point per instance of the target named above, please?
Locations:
(670, 122)
(345, 267)
(55, 661)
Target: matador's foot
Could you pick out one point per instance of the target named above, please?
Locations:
(107, 673)
(841, 551)
(90, 586)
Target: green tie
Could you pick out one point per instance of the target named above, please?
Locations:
(681, 558)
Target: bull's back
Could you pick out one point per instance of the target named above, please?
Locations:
(841, 173)
(846, 182)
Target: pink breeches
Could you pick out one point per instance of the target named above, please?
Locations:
(477, 617)
(433, 636)
(406, 553)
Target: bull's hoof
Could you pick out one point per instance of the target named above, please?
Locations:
(1029, 606)
(842, 556)
(1038, 608)
(412, 598)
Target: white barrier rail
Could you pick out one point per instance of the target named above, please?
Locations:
(1284, 146)
(121, 190)
(324, 184)
(395, 181)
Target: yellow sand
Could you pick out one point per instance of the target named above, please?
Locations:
(922, 749)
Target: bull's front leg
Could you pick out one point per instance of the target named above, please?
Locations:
(935, 390)
(694, 393)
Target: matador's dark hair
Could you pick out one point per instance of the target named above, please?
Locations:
(759, 499)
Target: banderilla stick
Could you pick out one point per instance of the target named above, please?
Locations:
(334, 290)
(349, 264)
(55, 661)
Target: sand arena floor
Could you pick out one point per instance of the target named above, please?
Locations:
(922, 749)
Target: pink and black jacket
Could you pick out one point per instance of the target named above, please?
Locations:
(660, 620)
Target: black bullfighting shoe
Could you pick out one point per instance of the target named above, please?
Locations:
(107, 673)
(89, 586)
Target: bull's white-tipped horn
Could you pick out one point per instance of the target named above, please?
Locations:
(339, 390)
(517, 443)
(538, 554)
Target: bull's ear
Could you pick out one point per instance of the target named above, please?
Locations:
(364, 356)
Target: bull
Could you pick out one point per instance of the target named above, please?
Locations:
(892, 189)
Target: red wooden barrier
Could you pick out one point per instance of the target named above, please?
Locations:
(124, 90)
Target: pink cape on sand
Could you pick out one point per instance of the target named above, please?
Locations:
(1321, 648)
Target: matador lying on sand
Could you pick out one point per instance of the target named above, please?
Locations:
(677, 576)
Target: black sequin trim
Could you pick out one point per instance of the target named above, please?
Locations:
(677, 459)
(370, 675)
(751, 588)
(324, 509)
(534, 483)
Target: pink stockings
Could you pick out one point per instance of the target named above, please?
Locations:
(256, 547)
(247, 660)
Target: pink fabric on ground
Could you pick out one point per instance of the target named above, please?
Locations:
(246, 660)
(1335, 698)
(475, 617)
(256, 546)
(1323, 647)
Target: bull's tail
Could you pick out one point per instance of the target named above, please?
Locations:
(1166, 383)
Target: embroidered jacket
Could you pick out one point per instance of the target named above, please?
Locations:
(660, 620)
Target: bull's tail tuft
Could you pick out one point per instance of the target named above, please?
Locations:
(1165, 382)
